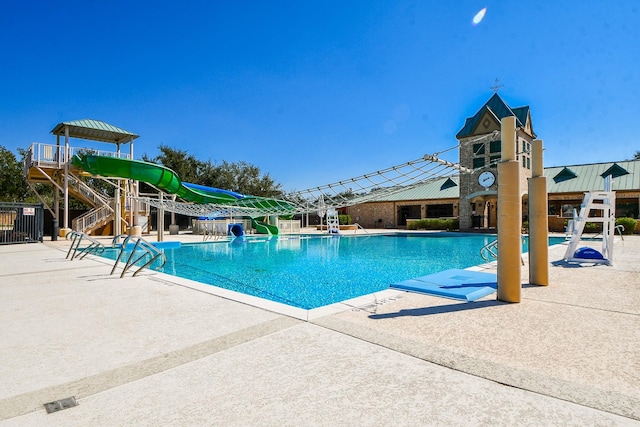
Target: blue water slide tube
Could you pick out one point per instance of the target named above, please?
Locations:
(212, 190)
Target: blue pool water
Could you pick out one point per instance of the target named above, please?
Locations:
(313, 271)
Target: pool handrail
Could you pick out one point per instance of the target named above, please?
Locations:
(94, 246)
(147, 250)
(489, 252)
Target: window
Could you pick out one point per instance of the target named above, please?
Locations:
(495, 146)
(627, 208)
(440, 211)
(528, 162)
(567, 209)
(478, 149)
(493, 160)
(478, 162)
(524, 161)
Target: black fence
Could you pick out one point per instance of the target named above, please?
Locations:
(21, 223)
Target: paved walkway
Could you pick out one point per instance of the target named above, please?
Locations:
(154, 351)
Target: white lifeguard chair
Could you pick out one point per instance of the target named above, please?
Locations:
(333, 222)
(603, 203)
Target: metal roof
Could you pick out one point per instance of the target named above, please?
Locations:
(499, 109)
(94, 130)
(441, 188)
(590, 177)
(587, 178)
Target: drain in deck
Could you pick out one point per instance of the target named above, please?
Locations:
(59, 405)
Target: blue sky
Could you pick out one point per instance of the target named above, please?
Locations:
(317, 91)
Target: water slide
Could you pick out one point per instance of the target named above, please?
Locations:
(264, 228)
(167, 180)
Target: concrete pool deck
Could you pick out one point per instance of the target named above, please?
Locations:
(149, 351)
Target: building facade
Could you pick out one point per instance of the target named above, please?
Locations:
(472, 197)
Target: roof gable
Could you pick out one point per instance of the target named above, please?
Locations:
(564, 175)
(448, 184)
(500, 110)
(615, 170)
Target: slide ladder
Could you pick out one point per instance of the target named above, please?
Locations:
(603, 204)
(333, 223)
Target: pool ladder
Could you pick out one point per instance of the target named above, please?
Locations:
(141, 250)
(489, 252)
(76, 251)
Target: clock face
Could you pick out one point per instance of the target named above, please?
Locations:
(486, 179)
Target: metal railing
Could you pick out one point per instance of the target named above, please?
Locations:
(88, 193)
(91, 218)
(141, 250)
(21, 223)
(489, 252)
(94, 246)
(289, 226)
(359, 227)
(52, 155)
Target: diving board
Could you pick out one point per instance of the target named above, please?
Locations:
(458, 284)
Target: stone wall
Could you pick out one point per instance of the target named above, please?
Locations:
(373, 214)
(384, 214)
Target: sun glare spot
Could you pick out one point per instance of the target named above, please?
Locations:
(478, 17)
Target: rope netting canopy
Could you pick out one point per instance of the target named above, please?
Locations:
(365, 188)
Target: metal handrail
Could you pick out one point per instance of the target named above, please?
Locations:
(147, 250)
(94, 245)
(116, 239)
(91, 218)
(358, 226)
(489, 252)
(211, 234)
(88, 192)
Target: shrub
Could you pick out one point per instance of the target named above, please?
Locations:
(434, 224)
(344, 219)
(629, 224)
(593, 227)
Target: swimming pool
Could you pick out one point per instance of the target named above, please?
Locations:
(313, 271)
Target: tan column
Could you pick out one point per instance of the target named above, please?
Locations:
(509, 216)
(538, 220)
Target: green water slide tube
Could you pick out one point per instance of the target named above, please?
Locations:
(162, 177)
(167, 180)
(264, 228)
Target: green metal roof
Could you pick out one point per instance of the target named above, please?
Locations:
(94, 130)
(590, 177)
(499, 109)
(442, 188)
(581, 178)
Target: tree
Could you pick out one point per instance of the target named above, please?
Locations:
(241, 177)
(636, 156)
(13, 187)
(184, 164)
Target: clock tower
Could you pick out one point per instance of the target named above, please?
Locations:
(480, 148)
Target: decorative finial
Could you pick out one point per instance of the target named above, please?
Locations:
(496, 87)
